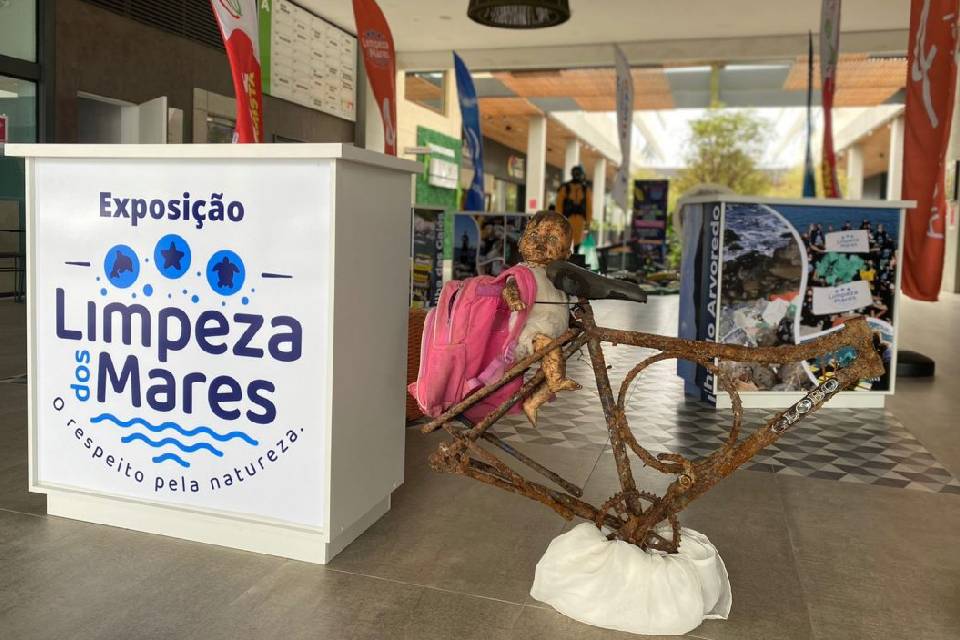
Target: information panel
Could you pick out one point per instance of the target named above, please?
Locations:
(773, 273)
(648, 227)
(307, 60)
(180, 316)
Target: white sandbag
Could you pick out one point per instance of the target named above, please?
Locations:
(616, 585)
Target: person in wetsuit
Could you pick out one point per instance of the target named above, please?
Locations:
(575, 202)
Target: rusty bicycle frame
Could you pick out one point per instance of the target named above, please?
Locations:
(633, 515)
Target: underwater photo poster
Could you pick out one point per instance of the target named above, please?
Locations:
(793, 272)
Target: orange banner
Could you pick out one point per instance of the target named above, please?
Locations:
(379, 61)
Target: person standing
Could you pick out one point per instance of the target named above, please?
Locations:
(575, 202)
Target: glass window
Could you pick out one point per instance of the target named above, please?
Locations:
(426, 88)
(18, 29)
(18, 101)
(220, 130)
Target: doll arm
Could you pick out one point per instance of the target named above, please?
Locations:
(511, 295)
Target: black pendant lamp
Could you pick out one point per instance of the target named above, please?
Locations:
(519, 14)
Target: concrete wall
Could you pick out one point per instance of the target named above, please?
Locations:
(105, 54)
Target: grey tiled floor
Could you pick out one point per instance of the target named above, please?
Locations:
(808, 557)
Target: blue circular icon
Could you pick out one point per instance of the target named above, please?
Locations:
(172, 256)
(225, 272)
(121, 266)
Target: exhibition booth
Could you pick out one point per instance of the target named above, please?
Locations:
(217, 340)
(763, 272)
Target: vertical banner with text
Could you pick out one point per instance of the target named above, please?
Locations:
(829, 51)
(238, 21)
(470, 114)
(379, 61)
(809, 177)
(624, 127)
(931, 81)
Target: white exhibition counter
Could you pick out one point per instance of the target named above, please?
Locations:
(217, 339)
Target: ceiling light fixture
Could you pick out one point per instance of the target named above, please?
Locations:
(519, 14)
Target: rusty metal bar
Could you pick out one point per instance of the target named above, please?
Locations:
(629, 520)
(516, 370)
(501, 444)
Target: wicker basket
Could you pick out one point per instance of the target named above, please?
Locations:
(414, 336)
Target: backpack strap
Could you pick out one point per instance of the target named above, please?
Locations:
(527, 285)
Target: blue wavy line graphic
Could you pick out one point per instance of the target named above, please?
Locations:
(188, 448)
(172, 456)
(219, 437)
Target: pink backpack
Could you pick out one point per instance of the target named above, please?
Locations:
(468, 342)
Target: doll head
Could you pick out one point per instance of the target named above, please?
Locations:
(546, 238)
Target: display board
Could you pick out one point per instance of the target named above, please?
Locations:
(648, 227)
(307, 60)
(180, 360)
(768, 273)
(485, 243)
(426, 255)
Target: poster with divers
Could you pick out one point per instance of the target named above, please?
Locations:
(789, 273)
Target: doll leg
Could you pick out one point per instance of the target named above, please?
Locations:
(554, 366)
(532, 404)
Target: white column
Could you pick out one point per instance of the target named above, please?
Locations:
(895, 166)
(536, 163)
(854, 172)
(572, 157)
(599, 195)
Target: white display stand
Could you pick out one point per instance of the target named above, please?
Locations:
(233, 376)
(722, 229)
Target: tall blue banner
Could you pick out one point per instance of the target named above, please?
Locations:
(470, 113)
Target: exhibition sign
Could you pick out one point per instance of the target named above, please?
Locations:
(176, 356)
(764, 273)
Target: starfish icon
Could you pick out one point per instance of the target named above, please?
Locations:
(171, 257)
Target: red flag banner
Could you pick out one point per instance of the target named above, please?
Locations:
(829, 50)
(931, 81)
(379, 61)
(238, 21)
